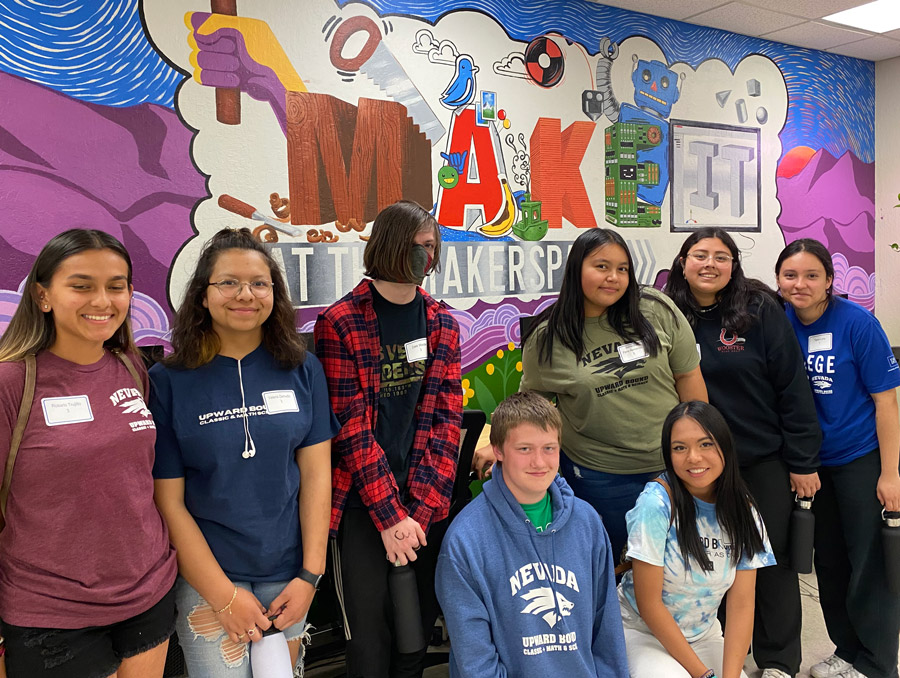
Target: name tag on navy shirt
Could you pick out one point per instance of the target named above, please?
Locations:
(67, 410)
(280, 401)
(819, 342)
(416, 350)
(628, 353)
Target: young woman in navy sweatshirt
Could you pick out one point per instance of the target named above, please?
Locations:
(754, 373)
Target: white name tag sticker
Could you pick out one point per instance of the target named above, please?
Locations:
(628, 353)
(820, 342)
(67, 410)
(280, 401)
(699, 352)
(416, 350)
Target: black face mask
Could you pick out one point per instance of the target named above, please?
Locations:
(419, 262)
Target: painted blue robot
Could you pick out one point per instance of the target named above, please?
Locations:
(655, 92)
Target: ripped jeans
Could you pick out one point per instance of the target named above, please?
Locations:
(208, 651)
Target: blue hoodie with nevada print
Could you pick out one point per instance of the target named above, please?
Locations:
(520, 603)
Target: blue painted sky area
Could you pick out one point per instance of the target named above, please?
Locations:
(93, 50)
(96, 50)
(831, 97)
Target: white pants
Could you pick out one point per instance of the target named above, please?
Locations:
(647, 658)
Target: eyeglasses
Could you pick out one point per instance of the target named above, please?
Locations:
(703, 257)
(231, 288)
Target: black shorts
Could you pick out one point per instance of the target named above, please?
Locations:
(92, 652)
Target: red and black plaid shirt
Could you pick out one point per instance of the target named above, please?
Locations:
(348, 345)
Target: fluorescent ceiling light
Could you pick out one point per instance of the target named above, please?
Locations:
(880, 16)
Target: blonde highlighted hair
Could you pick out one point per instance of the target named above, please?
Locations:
(31, 329)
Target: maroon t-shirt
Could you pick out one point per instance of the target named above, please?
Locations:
(84, 544)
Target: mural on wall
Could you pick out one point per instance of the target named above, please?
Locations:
(518, 123)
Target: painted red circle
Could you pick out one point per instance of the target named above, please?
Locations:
(552, 73)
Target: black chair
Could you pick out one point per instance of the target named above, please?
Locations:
(525, 323)
(326, 616)
(472, 425)
(310, 344)
(896, 350)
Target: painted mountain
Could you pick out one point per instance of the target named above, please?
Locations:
(67, 163)
(832, 200)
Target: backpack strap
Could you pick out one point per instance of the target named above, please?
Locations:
(18, 432)
(120, 354)
(25, 412)
(624, 563)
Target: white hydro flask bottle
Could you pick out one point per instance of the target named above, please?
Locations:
(270, 656)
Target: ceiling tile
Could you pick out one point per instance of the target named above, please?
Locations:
(739, 17)
(815, 35)
(810, 9)
(873, 49)
(669, 10)
(892, 34)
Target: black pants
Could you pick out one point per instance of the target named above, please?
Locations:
(778, 615)
(862, 616)
(371, 652)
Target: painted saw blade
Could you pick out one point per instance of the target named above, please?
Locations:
(384, 70)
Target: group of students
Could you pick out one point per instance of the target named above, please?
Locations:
(203, 497)
(806, 383)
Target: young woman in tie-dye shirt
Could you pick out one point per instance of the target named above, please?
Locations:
(691, 541)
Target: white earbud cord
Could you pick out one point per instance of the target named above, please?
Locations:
(249, 446)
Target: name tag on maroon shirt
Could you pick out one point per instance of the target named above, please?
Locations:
(67, 410)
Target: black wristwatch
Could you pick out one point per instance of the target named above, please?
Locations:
(310, 578)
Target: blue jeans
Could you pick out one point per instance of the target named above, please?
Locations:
(208, 651)
(611, 494)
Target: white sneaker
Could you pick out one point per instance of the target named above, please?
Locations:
(851, 673)
(830, 668)
(775, 673)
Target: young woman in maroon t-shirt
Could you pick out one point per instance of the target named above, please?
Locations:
(86, 569)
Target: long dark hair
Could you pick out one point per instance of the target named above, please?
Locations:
(734, 502)
(819, 251)
(566, 315)
(739, 301)
(195, 343)
(31, 330)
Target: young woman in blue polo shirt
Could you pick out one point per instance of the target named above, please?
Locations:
(854, 378)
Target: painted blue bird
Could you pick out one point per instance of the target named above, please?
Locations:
(461, 89)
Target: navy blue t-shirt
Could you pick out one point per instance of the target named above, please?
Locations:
(247, 509)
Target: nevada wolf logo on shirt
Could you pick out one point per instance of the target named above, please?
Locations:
(542, 601)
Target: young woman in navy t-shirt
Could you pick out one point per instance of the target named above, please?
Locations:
(243, 458)
(854, 378)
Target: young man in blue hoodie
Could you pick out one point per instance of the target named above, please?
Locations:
(525, 575)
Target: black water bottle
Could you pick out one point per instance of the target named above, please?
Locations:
(890, 539)
(803, 529)
(408, 632)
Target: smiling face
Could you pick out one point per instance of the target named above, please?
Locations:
(447, 176)
(242, 316)
(804, 284)
(696, 458)
(530, 458)
(604, 278)
(89, 297)
(707, 278)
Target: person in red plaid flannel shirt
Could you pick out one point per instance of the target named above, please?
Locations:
(391, 357)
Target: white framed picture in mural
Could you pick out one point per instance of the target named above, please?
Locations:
(715, 176)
